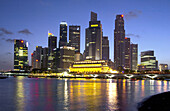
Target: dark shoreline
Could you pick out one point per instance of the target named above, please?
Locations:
(158, 102)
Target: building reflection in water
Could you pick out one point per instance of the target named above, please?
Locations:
(84, 94)
(66, 94)
(20, 94)
(112, 95)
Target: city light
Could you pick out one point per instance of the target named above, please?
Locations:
(122, 15)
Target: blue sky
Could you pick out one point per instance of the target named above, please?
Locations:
(146, 23)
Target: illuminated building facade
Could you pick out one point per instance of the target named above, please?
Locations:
(89, 66)
(134, 56)
(119, 42)
(93, 44)
(127, 53)
(149, 60)
(105, 48)
(44, 57)
(74, 37)
(52, 46)
(40, 58)
(63, 34)
(65, 57)
(163, 67)
(20, 55)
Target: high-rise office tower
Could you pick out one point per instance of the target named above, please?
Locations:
(93, 44)
(134, 57)
(149, 60)
(64, 57)
(119, 42)
(44, 57)
(52, 46)
(105, 48)
(63, 34)
(40, 58)
(127, 53)
(20, 55)
(38, 55)
(74, 37)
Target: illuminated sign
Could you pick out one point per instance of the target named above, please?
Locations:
(94, 25)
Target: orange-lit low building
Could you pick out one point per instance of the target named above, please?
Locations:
(88, 66)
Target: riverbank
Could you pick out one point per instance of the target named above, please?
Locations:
(159, 102)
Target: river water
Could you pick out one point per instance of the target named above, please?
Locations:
(51, 94)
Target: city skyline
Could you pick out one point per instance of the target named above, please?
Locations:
(148, 35)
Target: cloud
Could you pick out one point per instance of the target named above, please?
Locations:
(133, 14)
(5, 31)
(132, 35)
(25, 31)
(9, 40)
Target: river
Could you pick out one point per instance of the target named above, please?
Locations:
(42, 94)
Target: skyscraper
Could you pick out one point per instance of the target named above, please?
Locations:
(149, 60)
(40, 58)
(44, 57)
(127, 53)
(52, 46)
(134, 56)
(74, 37)
(20, 55)
(63, 34)
(119, 42)
(93, 45)
(105, 48)
(37, 56)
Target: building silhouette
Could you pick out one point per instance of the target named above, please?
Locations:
(74, 37)
(52, 47)
(20, 55)
(127, 53)
(93, 43)
(105, 48)
(63, 34)
(134, 56)
(119, 42)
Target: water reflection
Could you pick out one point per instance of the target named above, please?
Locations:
(20, 96)
(79, 94)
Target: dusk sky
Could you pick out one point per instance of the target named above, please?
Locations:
(146, 23)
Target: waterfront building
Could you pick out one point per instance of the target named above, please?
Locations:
(93, 43)
(149, 60)
(52, 46)
(40, 58)
(127, 53)
(74, 37)
(77, 56)
(63, 34)
(90, 67)
(37, 57)
(20, 55)
(134, 56)
(119, 42)
(105, 48)
(44, 57)
(65, 57)
(163, 67)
